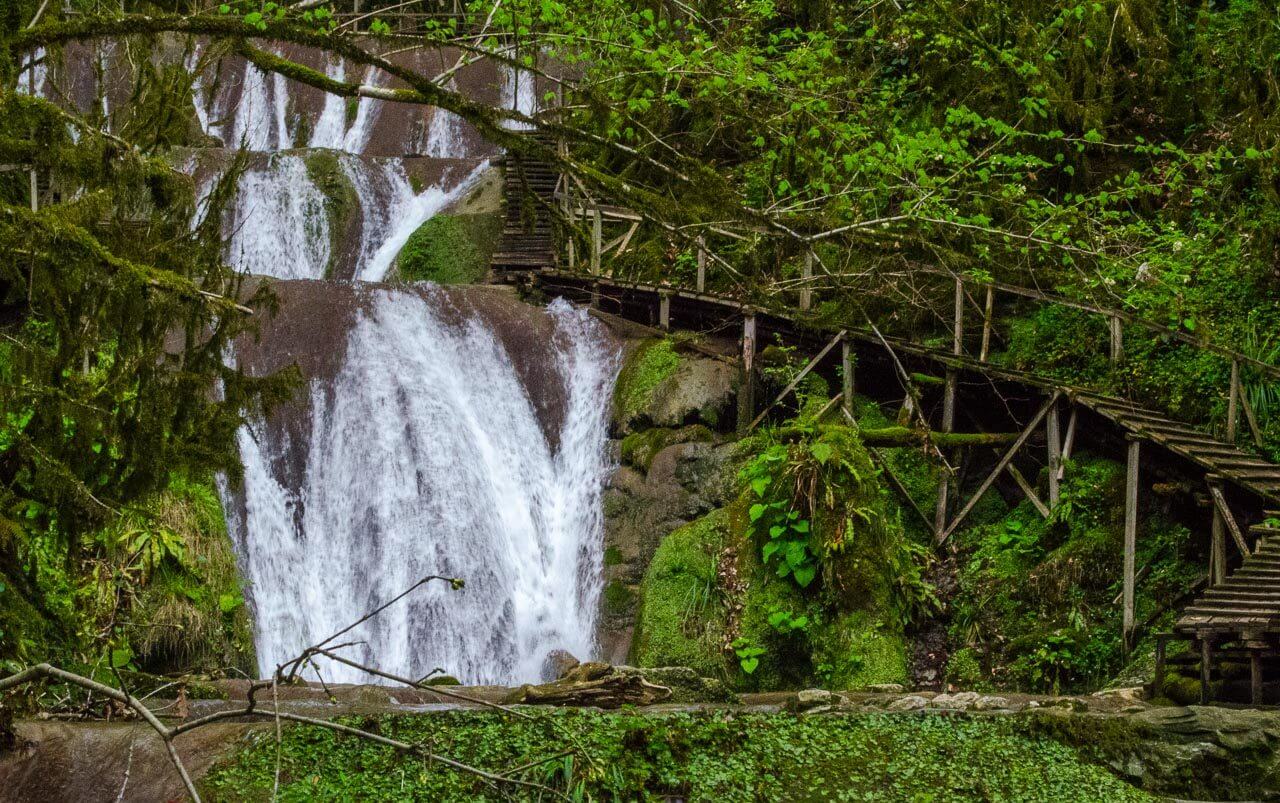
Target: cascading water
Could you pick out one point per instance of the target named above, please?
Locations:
(426, 455)
(279, 227)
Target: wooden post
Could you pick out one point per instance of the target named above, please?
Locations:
(806, 292)
(1157, 682)
(1130, 538)
(597, 233)
(1255, 676)
(949, 402)
(846, 374)
(1217, 538)
(664, 311)
(988, 309)
(595, 295)
(1233, 402)
(1055, 454)
(1206, 659)
(747, 392)
(1117, 338)
(702, 265)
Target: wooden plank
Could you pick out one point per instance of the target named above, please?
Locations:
(1000, 466)
(796, 381)
(949, 402)
(702, 265)
(747, 394)
(1117, 338)
(597, 224)
(1220, 502)
(1130, 537)
(664, 311)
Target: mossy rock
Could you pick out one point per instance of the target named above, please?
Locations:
(341, 200)
(450, 249)
(639, 448)
(686, 685)
(661, 387)
(681, 621)
(964, 670)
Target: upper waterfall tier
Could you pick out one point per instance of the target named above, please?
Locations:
(235, 104)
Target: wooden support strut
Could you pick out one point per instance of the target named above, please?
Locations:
(1130, 538)
(1000, 466)
(1157, 682)
(1068, 443)
(747, 393)
(806, 292)
(846, 375)
(1206, 662)
(987, 311)
(702, 265)
(1221, 508)
(664, 311)
(1233, 402)
(1117, 338)
(796, 381)
(949, 402)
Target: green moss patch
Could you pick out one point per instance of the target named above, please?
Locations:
(639, 448)
(681, 619)
(450, 249)
(696, 756)
(648, 366)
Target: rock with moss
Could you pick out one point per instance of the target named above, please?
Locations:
(450, 249)
(341, 204)
(662, 387)
(682, 617)
(639, 448)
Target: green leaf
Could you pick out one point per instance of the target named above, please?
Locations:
(749, 664)
(757, 510)
(120, 657)
(801, 526)
(229, 602)
(821, 451)
(804, 574)
(760, 485)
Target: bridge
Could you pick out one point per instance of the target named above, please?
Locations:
(1236, 615)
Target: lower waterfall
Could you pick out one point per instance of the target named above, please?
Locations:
(429, 453)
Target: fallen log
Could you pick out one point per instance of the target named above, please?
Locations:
(591, 684)
(905, 436)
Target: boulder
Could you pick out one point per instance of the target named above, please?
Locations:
(558, 663)
(885, 688)
(811, 698)
(960, 701)
(989, 702)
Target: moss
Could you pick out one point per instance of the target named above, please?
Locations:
(618, 598)
(612, 556)
(639, 448)
(648, 366)
(860, 649)
(964, 669)
(341, 200)
(681, 620)
(449, 249)
(25, 633)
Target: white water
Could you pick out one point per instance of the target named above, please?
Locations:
(426, 457)
(279, 226)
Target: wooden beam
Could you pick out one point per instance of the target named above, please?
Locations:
(1157, 682)
(796, 381)
(1069, 443)
(949, 402)
(702, 265)
(1000, 466)
(1220, 504)
(664, 311)
(597, 224)
(1255, 676)
(987, 311)
(1117, 338)
(1055, 453)
(1206, 661)
(1130, 538)
(806, 276)
(747, 391)
(846, 374)
(1027, 490)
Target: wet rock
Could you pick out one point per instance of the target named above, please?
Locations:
(913, 702)
(443, 680)
(960, 701)
(811, 698)
(558, 663)
(886, 688)
(989, 702)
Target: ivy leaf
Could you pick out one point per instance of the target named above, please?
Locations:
(749, 664)
(757, 510)
(804, 574)
(821, 452)
(760, 485)
(120, 657)
(801, 526)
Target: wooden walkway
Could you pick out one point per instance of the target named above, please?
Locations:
(1240, 615)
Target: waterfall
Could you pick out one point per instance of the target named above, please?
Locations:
(426, 456)
(279, 226)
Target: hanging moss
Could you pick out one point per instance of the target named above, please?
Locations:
(341, 201)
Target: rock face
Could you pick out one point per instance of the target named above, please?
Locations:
(661, 386)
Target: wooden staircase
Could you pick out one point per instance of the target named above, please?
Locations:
(1248, 601)
(529, 187)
